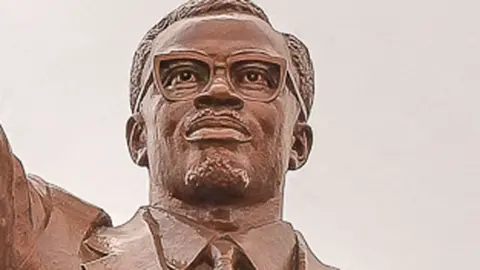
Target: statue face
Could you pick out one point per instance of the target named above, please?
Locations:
(220, 122)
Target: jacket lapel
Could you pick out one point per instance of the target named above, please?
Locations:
(277, 238)
(130, 246)
(181, 242)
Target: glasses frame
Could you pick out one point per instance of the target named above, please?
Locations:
(285, 73)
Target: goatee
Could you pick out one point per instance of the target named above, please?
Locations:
(216, 180)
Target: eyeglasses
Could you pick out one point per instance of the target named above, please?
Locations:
(252, 75)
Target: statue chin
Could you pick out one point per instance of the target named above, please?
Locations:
(216, 180)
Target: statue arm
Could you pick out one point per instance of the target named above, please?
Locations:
(23, 212)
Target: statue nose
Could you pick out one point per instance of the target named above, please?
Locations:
(218, 94)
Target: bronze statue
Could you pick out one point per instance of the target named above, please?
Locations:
(220, 102)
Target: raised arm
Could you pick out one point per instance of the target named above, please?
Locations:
(6, 208)
(41, 225)
(22, 212)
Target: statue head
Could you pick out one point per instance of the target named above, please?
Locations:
(220, 102)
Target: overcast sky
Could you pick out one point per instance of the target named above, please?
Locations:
(393, 180)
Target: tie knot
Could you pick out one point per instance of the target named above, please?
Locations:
(223, 252)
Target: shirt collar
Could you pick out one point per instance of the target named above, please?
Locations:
(183, 241)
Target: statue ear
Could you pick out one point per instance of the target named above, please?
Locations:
(136, 140)
(302, 144)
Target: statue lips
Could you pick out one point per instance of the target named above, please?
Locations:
(218, 128)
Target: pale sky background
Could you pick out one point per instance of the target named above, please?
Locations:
(393, 180)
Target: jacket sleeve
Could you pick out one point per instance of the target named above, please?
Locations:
(39, 221)
(23, 214)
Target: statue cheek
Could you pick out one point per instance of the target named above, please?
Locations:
(170, 119)
(272, 121)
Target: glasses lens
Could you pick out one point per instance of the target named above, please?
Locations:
(182, 77)
(256, 79)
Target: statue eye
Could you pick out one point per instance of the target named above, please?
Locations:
(185, 76)
(182, 78)
(254, 77)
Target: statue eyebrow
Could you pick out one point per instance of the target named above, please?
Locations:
(173, 63)
(180, 50)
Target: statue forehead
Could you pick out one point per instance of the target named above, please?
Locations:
(221, 35)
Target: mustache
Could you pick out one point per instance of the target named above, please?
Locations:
(209, 113)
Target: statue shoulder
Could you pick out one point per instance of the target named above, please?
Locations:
(79, 214)
(128, 246)
(107, 239)
(307, 260)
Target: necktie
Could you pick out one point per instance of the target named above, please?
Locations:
(224, 254)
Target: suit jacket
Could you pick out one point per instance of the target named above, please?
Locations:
(76, 234)
(139, 244)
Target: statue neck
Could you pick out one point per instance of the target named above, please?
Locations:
(225, 217)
